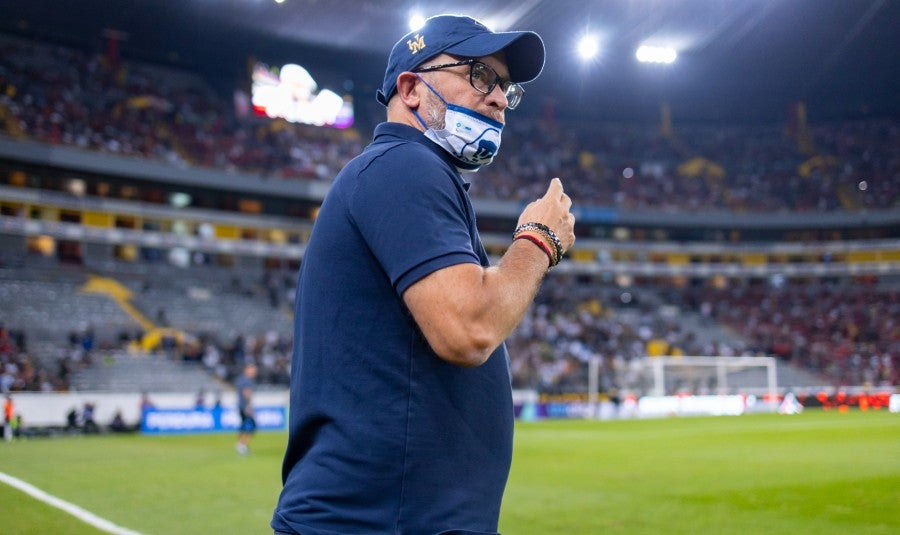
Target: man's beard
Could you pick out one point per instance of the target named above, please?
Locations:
(434, 115)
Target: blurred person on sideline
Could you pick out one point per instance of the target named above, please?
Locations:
(72, 420)
(401, 413)
(88, 423)
(146, 404)
(117, 424)
(200, 400)
(244, 386)
(9, 418)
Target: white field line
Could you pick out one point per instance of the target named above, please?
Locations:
(79, 513)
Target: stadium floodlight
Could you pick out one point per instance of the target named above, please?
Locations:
(656, 54)
(588, 47)
(416, 21)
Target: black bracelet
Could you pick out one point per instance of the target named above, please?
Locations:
(545, 230)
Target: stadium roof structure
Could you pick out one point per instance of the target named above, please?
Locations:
(737, 59)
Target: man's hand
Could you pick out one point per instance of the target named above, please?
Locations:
(553, 210)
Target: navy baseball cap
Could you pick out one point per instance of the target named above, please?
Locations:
(462, 36)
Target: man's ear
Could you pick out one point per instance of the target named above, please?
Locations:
(408, 89)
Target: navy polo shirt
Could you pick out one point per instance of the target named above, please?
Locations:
(385, 436)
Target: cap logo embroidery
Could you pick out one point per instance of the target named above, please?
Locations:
(416, 43)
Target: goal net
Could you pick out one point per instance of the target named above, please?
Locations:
(753, 378)
(712, 375)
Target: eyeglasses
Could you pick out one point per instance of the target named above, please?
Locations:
(484, 79)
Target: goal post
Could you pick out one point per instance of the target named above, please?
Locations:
(697, 378)
(714, 375)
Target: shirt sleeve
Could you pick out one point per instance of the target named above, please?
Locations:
(413, 214)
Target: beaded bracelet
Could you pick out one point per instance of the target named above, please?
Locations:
(539, 243)
(545, 230)
(546, 239)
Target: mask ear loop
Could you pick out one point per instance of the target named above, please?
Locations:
(433, 90)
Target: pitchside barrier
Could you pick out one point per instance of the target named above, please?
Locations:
(175, 412)
(172, 412)
(530, 406)
(172, 421)
(694, 386)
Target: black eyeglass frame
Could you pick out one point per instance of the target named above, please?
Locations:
(513, 92)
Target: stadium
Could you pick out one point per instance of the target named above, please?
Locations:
(718, 352)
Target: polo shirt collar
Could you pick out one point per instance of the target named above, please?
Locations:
(406, 132)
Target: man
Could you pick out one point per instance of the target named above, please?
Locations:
(401, 413)
(9, 417)
(244, 387)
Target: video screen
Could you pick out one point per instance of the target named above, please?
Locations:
(289, 92)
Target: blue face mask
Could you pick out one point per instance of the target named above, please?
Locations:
(470, 137)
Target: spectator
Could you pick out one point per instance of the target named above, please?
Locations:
(245, 387)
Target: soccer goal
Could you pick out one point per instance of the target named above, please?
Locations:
(699, 376)
(713, 375)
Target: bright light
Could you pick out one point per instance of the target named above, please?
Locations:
(588, 47)
(292, 94)
(655, 54)
(180, 199)
(416, 21)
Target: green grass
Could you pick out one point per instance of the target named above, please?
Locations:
(812, 473)
(816, 473)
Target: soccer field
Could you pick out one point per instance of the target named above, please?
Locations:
(816, 473)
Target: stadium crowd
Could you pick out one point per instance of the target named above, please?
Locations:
(847, 331)
(855, 165)
(61, 95)
(270, 350)
(20, 370)
(853, 338)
